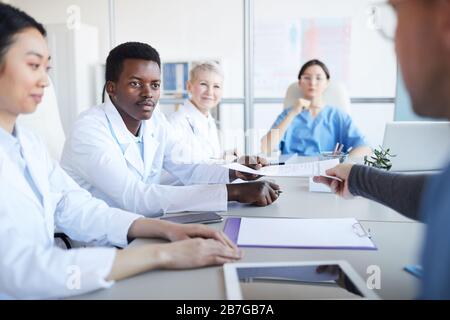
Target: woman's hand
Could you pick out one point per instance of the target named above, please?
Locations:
(301, 105)
(177, 232)
(155, 228)
(198, 252)
(190, 253)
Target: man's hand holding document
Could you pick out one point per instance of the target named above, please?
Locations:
(305, 169)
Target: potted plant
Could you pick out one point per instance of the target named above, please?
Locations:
(380, 159)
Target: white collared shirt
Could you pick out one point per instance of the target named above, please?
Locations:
(102, 157)
(139, 139)
(15, 152)
(198, 131)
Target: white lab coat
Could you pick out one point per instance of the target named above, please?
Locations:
(102, 156)
(30, 265)
(198, 131)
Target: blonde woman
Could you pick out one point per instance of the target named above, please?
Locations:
(193, 121)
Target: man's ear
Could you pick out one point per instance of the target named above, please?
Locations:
(111, 88)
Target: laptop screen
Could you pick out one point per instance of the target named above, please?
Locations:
(418, 145)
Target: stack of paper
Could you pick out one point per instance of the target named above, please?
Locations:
(306, 169)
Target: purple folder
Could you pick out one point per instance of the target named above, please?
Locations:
(233, 225)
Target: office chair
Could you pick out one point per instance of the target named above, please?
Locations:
(335, 95)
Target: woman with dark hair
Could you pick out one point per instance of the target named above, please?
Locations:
(36, 196)
(310, 126)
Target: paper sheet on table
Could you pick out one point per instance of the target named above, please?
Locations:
(306, 169)
(303, 233)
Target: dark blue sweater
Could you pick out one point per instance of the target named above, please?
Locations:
(420, 197)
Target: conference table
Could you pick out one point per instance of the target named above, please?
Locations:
(398, 240)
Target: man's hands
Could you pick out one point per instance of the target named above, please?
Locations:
(260, 193)
(253, 162)
(341, 171)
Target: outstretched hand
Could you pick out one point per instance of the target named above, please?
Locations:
(341, 171)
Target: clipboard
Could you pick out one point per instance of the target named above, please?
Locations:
(345, 234)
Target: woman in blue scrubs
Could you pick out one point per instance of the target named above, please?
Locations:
(311, 126)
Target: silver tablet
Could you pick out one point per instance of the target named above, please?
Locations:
(294, 280)
(203, 217)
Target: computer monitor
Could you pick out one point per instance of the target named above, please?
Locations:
(418, 145)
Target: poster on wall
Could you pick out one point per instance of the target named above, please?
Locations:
(281, 48)
(277, 53)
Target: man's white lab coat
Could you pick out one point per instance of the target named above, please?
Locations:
(102, 156)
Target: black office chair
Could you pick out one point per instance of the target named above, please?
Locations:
(62, 241)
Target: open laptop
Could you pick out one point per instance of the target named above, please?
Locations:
(418, 146)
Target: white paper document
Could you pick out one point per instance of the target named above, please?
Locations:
(306, 169)
(345, 233)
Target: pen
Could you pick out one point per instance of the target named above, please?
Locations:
(336, 147)
(277, 164)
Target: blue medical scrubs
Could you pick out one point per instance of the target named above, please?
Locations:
(308, 136)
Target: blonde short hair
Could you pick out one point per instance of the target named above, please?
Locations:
(209, 66)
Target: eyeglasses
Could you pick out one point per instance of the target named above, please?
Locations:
(383, 18)
(310, 78)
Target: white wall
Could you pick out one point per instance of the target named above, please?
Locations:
(372, 58)
(188, 30)
(371, 120)
(74, 60)
(92, 12)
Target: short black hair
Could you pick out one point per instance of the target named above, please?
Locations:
(12, 22)
(314, 62)
(128, 50)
